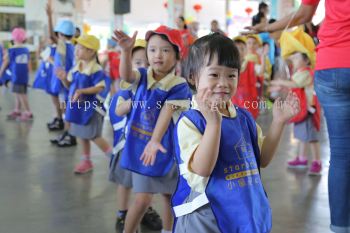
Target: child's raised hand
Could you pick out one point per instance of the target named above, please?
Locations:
(283, 111)
(124, 41)
(49, 7)
(150, 152)
(209, 109)
(61, 74)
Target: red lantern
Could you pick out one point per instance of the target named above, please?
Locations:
(165, 4)
(197, 7)
(248, 10)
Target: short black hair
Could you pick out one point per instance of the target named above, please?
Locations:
(164, 37)
(183, 20)
(262, 5)
(202, 52)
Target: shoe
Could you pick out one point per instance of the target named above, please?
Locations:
(297, 163)
(83, 167)
(26, 116)
(13, 115)
(119, 225)
(315, 168)
(67, 141)
(58, 138)
(152, 220)
(56, 125)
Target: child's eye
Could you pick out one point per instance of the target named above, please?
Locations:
(152, 50)
(232, 76)
(213, 75)
(165, 50)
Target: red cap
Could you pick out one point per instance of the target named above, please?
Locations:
(173, 35)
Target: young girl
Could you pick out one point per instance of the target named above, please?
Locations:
(220, 148)
(18, 61)
(299, 47)
(119, 175)
(148, 150)
(86, 82)
(63, 58)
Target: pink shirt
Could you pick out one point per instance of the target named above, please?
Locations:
(334, 35)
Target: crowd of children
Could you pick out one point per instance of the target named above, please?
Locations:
(183, 114)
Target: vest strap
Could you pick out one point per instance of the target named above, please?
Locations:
(189, 207)
(119, 125)
(100, 111)
(118, 147)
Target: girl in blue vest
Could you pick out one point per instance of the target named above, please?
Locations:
(219, 147)
(63, 58)
(118, 113)
(87, 89)
(158, 96)
(17, 59)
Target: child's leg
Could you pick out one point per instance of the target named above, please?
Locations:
(167, 214)
(85, 165)
(123, 194)
(302, 151)
(24, 102)
(17, 103)
(104, 146)
(315, 150)
(56, 103)
(136, 211)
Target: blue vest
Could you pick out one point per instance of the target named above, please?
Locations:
(146, 107)
(19, 59)
(80, 112)
(234, 190)
(65, 63)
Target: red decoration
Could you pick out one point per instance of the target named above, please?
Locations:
(248, 10)
(197, 7)
(165, 4)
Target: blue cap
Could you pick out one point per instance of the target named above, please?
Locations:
(65, 27)
(111, 42)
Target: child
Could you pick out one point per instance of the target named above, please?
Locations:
(17, 60)
(299, 47)
(220, 148)
(246, 94)
(84, 110)
(119, 175)
(148, 150)
(63, 58)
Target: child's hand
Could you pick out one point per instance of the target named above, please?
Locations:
(125, 42)
(283, 111)
(76, 95)
(61, 74)
(209, 109)
(49, 7)
(150, 152)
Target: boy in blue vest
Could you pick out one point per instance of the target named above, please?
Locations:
(220, 149)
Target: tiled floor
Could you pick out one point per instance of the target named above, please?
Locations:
(40, 194)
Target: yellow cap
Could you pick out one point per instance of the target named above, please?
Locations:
(240, 38)
(297, 41)
(256, 37)
(89, 41)
(140, 43)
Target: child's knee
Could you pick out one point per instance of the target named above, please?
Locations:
(143, 200)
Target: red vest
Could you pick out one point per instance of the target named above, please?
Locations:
(247, 94)
(114, 61)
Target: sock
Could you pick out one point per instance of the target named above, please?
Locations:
(302, 157)
(109, 152)
(165, 231)
(121, 213)
(86, 157)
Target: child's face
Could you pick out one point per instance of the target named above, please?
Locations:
(161, 55)
(252, 44)
(139, 59)
(83, 53)
(221, 80)
(297, 61)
